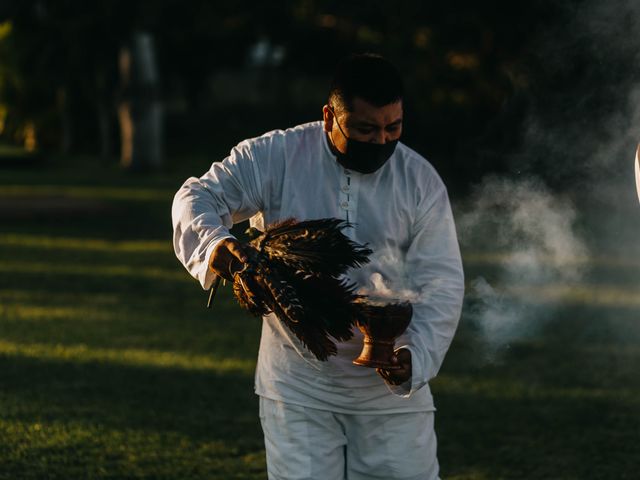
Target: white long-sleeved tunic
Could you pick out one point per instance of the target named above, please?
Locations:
(401, 211)
(637, 169)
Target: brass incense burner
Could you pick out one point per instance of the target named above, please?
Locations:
(381, 321)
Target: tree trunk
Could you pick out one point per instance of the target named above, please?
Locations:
(140, 110)
(104, 129)
(104, 114)
(66, 124)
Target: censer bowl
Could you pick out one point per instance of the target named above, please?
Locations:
(381, 321)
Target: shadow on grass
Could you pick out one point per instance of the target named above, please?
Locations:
(561, 402)
(536, 438)
(170, 287)
(205, 406)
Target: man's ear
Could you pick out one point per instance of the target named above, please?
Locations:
(327, 118)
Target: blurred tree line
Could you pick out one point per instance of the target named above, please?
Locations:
(228, 70)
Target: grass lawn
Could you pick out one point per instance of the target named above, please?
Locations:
(112, 367)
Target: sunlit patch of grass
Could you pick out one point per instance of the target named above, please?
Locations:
(41, 268)
(517, 259)
(595, 295)
(126, 315)
(90, 244)
(133, 324)
(97, 299)
(38, 312)
(128, 356)
(94, 192)
(518, 390)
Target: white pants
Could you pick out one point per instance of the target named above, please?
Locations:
(308, 444)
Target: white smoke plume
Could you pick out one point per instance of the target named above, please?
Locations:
(378, 288)
(524, 237)
(525, 244)
(586, 130)
(394, 285)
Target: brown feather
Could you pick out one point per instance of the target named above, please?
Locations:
(294, 271)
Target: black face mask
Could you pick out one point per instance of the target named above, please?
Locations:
(364, 157)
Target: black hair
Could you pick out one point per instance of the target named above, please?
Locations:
(367, 76)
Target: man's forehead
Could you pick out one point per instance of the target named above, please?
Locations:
(364, 111)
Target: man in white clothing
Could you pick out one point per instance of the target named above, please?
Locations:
(334, 420)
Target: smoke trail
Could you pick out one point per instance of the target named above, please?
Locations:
(377, 287)
(393, 285)
(584, 118)
(527, 236)
(580, 132)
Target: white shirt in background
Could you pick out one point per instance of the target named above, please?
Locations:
(638, 172)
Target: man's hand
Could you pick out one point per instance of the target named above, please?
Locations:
(397, 377)
(227, 258)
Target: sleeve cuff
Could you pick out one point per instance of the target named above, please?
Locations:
(206, 275)
(417, 380)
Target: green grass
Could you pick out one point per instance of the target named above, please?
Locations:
(111, 367)
(110, 364)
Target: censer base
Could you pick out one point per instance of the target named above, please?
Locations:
(377, 354)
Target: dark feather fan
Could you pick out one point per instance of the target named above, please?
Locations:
(294, 271)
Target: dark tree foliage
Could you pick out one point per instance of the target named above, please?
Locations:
(476, 72)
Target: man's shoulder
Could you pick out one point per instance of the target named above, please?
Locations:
(415, 163)
(419, 177)
(300, 132)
